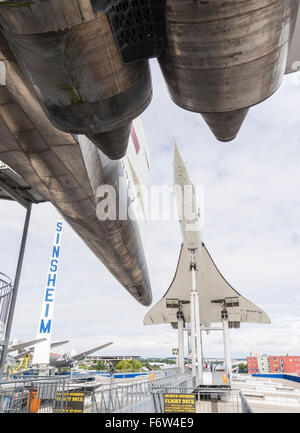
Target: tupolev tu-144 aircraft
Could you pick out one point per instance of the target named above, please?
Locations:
(75, 75)
(87, 60)
(67, 170)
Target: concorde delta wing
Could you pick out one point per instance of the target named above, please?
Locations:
(212, 288)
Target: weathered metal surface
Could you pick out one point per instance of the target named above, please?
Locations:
(225, 126)
(76, 70)
(226, 56)
(41, 16)
(139, 27)
(67, 172)
(113, 143)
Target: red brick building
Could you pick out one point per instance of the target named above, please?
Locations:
(252, 364)
(276, 364)
(291, 364)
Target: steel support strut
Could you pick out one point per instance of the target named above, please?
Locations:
(197, 369)
(228, 364)
(180, 340)
(15, 290)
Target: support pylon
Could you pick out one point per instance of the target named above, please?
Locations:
(197, 362)
(227, 354)
(180, 319)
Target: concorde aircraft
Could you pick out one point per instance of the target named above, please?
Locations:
(216, 295)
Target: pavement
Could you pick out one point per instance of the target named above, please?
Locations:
(269, 395)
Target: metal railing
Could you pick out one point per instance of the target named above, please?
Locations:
(245, 405)
(50, 394)
(31, 394)
(6, 289)
(208, 400)
(115, 398)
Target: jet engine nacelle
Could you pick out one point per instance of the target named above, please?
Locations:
(221, 58)
(70, 56)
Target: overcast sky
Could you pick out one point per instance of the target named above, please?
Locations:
(252, 231)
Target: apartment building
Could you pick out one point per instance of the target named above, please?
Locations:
(264, 364)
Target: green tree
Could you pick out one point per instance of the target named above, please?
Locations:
(128, 365)
(99, 366)
(243, 367)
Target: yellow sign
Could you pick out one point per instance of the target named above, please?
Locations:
(225, 378)
(182, 403)
(69, 402)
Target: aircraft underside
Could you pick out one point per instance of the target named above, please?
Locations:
(77, 75)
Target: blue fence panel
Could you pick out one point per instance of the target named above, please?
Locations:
(279, 376)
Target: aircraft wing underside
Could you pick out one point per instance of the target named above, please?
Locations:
(89, 352)
(20, 346)
(211, 287)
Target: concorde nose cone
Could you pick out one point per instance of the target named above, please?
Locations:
(181, 174)
(113, 143)
(177, 159)
(225, 126)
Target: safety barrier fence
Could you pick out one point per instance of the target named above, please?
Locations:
(92, 373)
(116, 398)
(6, 289)
(135, 397)
(207, 399)
(60, 394)
(52, 394)
(30, 396)
(279, 376)
(49, 394)
(245, 405)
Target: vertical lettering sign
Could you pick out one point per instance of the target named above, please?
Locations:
(42, 350)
